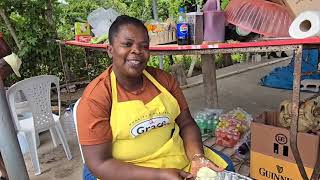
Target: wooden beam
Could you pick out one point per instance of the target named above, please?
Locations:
(209, 80)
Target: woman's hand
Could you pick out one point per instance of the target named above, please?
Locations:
(174, 174)
(199, 161)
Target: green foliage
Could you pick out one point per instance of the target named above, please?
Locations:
(37, 34)
(224, 4)
(235, 57)
(184, 60)
(219, 59)
(40, 53)
(154, 61)
(238, 57)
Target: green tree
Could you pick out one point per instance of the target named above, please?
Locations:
(35, 31)
(38, 23)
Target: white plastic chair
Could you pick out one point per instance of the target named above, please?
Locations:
(37, 92)
(75, 123)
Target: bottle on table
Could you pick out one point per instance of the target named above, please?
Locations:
(182, 28)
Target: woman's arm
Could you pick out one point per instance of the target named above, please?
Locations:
(99, 160)
(190, 134)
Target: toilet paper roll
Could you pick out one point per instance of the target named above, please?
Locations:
(307, 24)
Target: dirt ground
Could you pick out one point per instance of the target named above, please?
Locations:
(241, 90)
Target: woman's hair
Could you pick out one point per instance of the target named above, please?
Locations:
(121, 21)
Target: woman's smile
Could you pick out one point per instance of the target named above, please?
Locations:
(134, 62)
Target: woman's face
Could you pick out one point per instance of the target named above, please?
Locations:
(130, 51)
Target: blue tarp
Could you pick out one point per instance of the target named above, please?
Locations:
(282, 77)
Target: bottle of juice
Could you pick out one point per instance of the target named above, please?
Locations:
(182, 28)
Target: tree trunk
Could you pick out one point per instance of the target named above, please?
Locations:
(10, 28)
(49, 17)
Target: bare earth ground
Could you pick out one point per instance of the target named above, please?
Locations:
(241, 90)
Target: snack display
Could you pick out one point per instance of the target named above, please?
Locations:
(231, 127)
(207, 121)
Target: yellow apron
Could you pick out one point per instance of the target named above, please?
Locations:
(146, 134)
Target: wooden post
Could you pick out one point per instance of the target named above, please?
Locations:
(178, 72)
(209, 80)
(66, 70)
(227, 61)
(193, 63)
(87, 59)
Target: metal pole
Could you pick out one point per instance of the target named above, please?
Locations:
(9, 146)
(161, 62)
(155, 10)
(295, 112)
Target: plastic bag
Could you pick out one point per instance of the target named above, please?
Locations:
(207, 121)
(242, 148)
(225, 175)
(232, 126)
(101, 20)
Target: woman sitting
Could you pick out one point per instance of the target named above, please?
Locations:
(134, 121)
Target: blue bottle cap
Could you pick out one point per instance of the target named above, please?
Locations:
(182, 10)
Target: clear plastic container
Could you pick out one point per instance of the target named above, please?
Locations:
(68, 124)
(226, 175)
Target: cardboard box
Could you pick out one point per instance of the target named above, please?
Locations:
(271, 155)
(298, 6)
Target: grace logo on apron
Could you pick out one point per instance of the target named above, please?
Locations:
(145, 126)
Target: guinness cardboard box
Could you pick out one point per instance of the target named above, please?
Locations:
(271, 155)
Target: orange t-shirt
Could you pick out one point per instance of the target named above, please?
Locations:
(93, 113)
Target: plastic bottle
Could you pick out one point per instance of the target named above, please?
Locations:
(183, 36)
(202, 126)
(215, 122)
(68, 124)
(209, 125)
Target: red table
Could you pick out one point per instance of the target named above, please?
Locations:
(174, 47)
